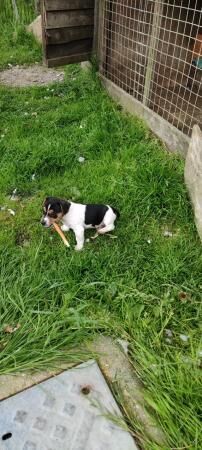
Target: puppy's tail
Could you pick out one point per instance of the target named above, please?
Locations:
(116, 212)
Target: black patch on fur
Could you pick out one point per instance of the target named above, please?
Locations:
(94, 214)
(57, 205)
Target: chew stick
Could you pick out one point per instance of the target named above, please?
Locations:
(59, 231)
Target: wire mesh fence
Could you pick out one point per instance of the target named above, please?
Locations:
(153, 50)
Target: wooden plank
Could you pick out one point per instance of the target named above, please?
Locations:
(62, 5)
(43, 23)
(72, 48)
(193, 175)
(151, 57)
(68, 59)
(69, 18)
(100, 34)
(96, 27)
(63, 35)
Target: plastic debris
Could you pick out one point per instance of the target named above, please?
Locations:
(81, 159)
(14, 197)
(11, 212)
(168, 333)
(149, 241)
(184, 337)
(33, 177)
(168, 233)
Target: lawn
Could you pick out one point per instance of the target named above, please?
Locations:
(142, 286)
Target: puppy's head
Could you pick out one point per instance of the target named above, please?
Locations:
(53, 210)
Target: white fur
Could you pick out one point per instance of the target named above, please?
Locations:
(75, 220)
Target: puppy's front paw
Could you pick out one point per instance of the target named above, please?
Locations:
(78, 248)
(64, 228)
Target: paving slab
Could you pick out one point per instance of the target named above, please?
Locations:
(66, 412)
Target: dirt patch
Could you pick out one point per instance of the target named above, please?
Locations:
(36, 75)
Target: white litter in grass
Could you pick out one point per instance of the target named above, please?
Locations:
(33, 177)
(11, 212)
(34, 114)
(81, 126)
(184, 337)
(14, 197)
(168, 333)
(168, 233)
(81, 159)
(149, 241)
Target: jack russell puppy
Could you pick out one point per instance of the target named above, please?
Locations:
(78, 217)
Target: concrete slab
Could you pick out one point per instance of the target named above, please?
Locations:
(117, 368)
(66, 412)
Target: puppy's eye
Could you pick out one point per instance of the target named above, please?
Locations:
(52, 215)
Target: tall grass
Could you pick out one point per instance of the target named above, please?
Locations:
(25, 8)
(16, 45)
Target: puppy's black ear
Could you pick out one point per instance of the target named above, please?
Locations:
(65, 205)
(47, 201)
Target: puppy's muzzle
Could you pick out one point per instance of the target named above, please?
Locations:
(45, 222)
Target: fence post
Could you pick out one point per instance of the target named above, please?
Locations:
(193, 175)
(99, 31)
(157, 15)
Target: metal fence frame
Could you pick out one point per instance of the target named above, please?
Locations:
(146, 50)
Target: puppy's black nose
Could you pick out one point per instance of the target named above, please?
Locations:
(43, 222)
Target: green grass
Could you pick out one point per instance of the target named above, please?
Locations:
(124, 287)
(16, 45)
